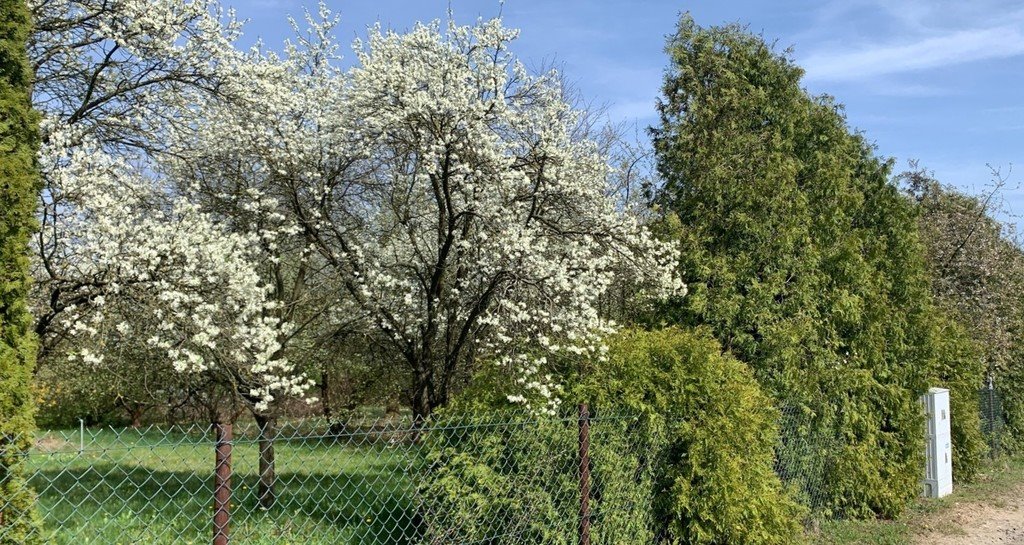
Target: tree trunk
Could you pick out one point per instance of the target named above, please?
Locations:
(422, 398)
(265, 491)
(325, 394)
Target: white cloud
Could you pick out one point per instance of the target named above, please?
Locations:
(932, 52)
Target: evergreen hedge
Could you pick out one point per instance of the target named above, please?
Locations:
(803, 257)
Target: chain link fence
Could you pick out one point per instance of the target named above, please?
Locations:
(493, 478)
(802, 458)
(807, 450)
(993, 421)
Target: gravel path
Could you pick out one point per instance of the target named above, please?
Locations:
(998, 522)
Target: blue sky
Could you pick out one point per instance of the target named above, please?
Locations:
(939, 81)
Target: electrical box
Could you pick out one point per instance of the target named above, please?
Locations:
(938, 473)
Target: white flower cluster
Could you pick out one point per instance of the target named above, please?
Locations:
(112, 238)
(113, 78)
(448, 189)
(448, 193)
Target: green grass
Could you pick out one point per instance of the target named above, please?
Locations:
(991, 487)
(877, 532)
(158, 488)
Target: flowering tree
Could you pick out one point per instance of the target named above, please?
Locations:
(119, 237)
(236, 199)
(114, 231)
(447, 190)
(976, 265)
(107, 65)
(110, 237)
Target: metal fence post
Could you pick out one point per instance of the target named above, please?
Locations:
(991, 419)
(222, 485)
(584, 458)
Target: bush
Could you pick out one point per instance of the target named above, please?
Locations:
(499, 478)
(959, 367)
(1010, 387)
(682, 449)
(715, 477)
(511, 477)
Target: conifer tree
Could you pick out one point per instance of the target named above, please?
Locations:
(19, 184)
(802, 255)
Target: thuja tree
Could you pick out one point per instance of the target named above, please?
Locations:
(19, 184)
(800, 253)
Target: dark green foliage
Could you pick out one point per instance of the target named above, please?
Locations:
(1010, 388)
(682, 438)
(800, 254)
(19, 185)
(511, 477)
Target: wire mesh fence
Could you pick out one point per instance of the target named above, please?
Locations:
(494, 478)
(807, 451)
(993, 421)
(803, 456)
(491, 478)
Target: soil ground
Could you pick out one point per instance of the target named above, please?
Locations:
(996, 520)
(989, 511)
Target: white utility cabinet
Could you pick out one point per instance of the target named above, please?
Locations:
(938, 473)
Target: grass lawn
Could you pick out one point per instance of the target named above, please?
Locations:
(990, 488)
(156, 487)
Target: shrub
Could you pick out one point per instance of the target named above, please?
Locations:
(499, 478)
(511, 477)
(959, 366)
(682, 449)
(715, 477)
(1010, 388)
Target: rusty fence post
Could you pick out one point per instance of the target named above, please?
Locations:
(222, 486)
(584, 458)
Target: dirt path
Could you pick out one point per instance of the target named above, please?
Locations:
(998, 521)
